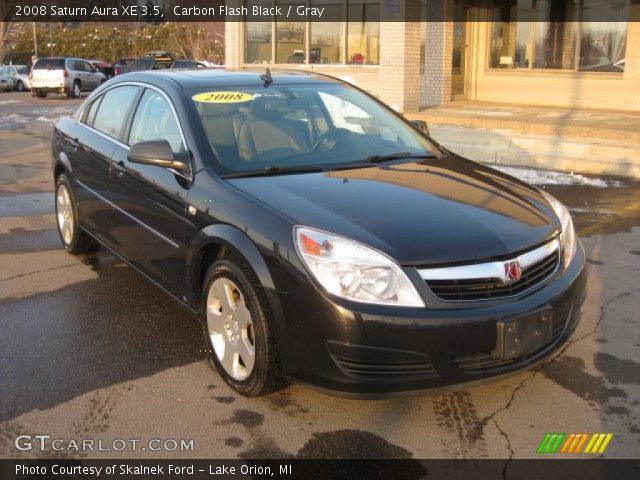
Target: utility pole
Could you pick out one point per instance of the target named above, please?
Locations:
(35, 39)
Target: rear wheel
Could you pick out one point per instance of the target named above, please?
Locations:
(74, 239)
(20, 86)
(236, 320)
(75, 90)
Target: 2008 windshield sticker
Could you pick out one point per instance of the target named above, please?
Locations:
(222, 97)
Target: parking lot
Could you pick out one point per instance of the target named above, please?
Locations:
(90, 349)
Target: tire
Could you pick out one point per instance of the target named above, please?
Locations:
(73, 238)
(231, 276)
(41, 94)
(20, 86)
(75, 90)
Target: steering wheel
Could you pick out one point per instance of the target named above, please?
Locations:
(334, 132)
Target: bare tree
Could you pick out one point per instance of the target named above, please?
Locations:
(6, 24)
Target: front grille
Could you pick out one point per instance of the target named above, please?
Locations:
(489, 288)
(387, 371)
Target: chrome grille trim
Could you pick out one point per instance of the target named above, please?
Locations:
(487, 281)
(489, 270)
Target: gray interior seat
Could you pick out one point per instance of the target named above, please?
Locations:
(222, 123)
(267, 135)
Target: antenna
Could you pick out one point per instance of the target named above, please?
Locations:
(266, 77)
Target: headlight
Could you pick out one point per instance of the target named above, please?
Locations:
(568, 233)
(354, 271)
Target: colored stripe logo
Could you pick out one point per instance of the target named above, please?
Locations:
(574, 443)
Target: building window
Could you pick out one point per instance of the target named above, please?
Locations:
(548, 34)
(603, 44)
(363, 32)
(290, 36)
(257, 42)
(555, 35)
(356, 41)
(327, 38)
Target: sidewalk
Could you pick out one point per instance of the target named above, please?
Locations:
(587, 141)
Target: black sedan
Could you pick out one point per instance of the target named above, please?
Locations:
(317, 234)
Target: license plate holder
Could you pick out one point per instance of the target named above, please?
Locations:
(523, 335)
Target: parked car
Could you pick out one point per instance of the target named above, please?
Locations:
(317, 234)
(187, 64)
(64, 75)
(120, 65)
(156, 60)
(17, 73)
(6, 83)
(103, 67)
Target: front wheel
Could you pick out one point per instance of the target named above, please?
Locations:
(20, 86)
(74, 240)
(75, 90)
(237, 327)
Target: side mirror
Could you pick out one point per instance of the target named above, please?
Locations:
(155, 152)
(421, 126)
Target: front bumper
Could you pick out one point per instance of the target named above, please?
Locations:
(370, 351)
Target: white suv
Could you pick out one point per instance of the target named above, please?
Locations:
(64, 75)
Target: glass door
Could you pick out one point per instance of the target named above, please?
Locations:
(460, 50)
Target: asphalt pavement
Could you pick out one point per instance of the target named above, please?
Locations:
(91, 350)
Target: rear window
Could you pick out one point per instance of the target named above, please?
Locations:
(22, 70)
(49, 64)
(114, 109)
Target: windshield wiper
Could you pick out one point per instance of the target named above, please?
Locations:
(394, 156)
(265, 172)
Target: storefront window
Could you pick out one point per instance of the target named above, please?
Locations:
(546, 35)
(257, 40)
(603, 45)
(555, 35)
(356, 41)
(511, 35)
(290, 36)
(363, 32)
(327, 37)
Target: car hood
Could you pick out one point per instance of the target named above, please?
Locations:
(419, 213)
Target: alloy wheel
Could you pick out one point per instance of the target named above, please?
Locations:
(230, 328)
(64, 210)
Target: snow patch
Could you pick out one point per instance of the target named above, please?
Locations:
(551, 177)
(47, 119)
(7, 102)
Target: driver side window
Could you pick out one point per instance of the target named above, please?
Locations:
(154, 120)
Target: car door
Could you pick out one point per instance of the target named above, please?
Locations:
(93, 76)
(84, 71)
(153, 198)
(97, 135)
(13, 74)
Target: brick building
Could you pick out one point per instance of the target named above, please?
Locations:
(418, 53)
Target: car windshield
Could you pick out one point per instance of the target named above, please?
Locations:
(282, 127)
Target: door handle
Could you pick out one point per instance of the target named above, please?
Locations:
(73, 143)
(119, 167)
